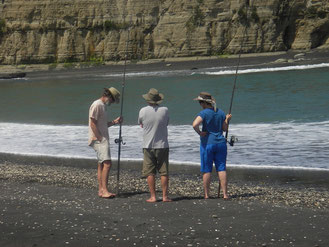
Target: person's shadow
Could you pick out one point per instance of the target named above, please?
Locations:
(130, 194)
(184, 198)
(237, 196)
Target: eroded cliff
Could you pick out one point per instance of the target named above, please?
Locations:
(40, 31)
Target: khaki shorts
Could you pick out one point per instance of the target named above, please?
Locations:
(102, 149)
(155, 160)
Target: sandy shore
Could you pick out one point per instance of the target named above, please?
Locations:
(259, 60)
(55, 203)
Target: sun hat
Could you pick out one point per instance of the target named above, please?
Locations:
(206, 97)
(115, 94)
(153, 96)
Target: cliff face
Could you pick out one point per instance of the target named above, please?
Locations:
(38, 31)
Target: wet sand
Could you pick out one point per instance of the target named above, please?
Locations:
(53, 202)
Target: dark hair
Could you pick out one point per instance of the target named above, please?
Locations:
(107, 93)
(207, 103)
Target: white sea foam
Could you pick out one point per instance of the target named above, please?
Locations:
(16, 79)
(288, 144)
(264, 70)
(216, 71)
(151, 74)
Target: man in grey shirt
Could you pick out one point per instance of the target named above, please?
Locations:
(154, 120)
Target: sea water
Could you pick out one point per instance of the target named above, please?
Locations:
(280, 114)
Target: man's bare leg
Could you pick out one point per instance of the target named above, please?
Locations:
(222, 177)
(151, 184)
(164, 185)
(206, 184)
(104, 179)
(99, 178)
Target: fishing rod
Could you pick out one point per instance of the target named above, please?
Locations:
(233, 139)
(119, 140)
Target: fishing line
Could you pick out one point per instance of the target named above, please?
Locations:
(233, 139)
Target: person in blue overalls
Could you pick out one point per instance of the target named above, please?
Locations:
(213, 147)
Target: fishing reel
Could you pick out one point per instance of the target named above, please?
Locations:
(119, 140)
(232, 140)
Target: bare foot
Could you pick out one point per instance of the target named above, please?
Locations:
(108, 195)
(166, 199)
(151, 199)
(100, 193)
(206, 197)
(226, 197)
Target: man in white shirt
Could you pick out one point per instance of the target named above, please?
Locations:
(154, 120)
(99, 137)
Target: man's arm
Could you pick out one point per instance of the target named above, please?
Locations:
(196, 126)
(115, 121)
(140, 121)
(93, 126)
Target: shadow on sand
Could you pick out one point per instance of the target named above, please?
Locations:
(129, 194)
(245, 195)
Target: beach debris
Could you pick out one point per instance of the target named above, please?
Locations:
(299, 56)
(281, 60)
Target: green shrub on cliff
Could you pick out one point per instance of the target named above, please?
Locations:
(322, 14)
(254, 15)
(92, 61)
(111, 25)
(2, 26)
(96, 60)
(242, 15)
(313, 12)
(196, 20)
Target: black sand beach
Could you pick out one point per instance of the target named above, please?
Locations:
(53, 202)
(255, 60)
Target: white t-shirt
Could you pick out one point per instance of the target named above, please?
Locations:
(155, 120)
(98, 112)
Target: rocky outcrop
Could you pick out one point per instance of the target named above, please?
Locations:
(42, 31)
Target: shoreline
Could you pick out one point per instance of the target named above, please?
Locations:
(280, 175)
(271, 180)
(254, 60)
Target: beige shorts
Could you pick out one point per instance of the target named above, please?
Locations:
(102, 149)
(155, 160)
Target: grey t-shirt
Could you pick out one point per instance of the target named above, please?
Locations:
(155, 120)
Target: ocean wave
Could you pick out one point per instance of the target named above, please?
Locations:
(264, 70)
(215, 71)
(286, 144)
(150, 74)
